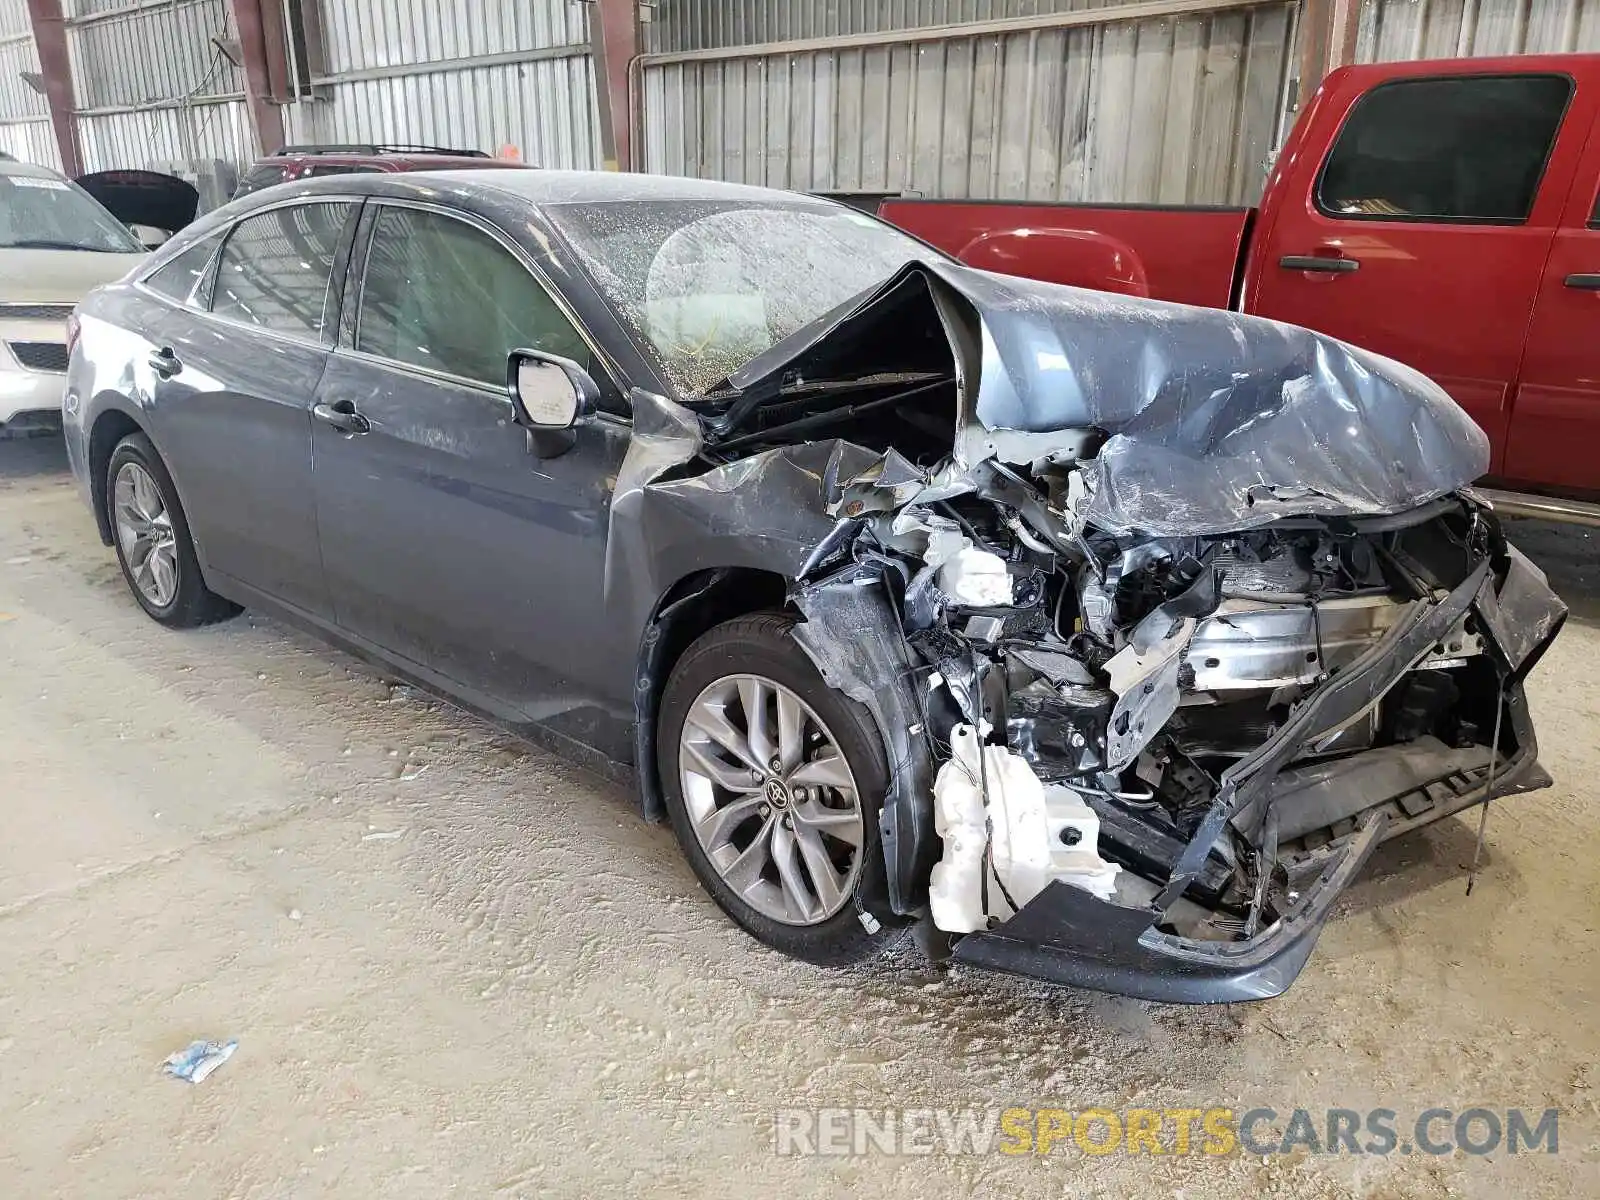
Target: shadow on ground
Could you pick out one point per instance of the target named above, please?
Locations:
(31, 457)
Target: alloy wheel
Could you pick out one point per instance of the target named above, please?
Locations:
(144, 532)
(771, 798)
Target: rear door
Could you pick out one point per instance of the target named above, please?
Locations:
(1555, 422)
(237, 371)
(446, 540)
(1422, 234)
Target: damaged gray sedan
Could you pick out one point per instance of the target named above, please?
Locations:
(1106, 637)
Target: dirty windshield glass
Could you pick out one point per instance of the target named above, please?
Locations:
(708, 285)
(38, 212)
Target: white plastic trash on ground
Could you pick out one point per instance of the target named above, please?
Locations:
(198, 1059)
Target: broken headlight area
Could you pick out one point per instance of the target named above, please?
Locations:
(1206, 733)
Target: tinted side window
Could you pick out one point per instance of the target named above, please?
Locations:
(275, 268)
(177, 278)
(443, 295)
(1468, 149)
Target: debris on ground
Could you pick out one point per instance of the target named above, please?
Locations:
(199, 1059)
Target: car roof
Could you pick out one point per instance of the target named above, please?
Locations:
(384, 160)
(556, 187)
(495, 194)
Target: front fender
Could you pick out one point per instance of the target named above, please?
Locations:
(668, 520)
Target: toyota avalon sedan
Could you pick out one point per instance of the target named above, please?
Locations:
(1104, 637)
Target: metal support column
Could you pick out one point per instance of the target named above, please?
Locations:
(1328, 30)
(50, 36)
(614, 31)
(256, 40)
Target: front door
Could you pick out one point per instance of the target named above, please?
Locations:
(1420, 237)
(238, 364)
(446, 541)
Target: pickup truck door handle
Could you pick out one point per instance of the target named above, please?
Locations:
(1588, 283)
(1317, 262)
(165, 363)
(342, 415)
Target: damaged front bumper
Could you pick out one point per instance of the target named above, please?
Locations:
(1066, 935)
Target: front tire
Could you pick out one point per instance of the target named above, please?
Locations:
(773, 782)
(151, 535)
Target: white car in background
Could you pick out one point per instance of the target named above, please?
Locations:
(56, 243)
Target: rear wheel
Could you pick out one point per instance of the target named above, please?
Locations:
(773, 781)
(152, 539)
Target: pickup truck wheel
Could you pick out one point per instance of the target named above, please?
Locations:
(152, 540)
(773, 782)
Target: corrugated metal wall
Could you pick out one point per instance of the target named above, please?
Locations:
(705, 24)
(150, 85)
(478, 74)
(1174, 110)
(545, 108)
(165, 137)
(124, 55)
(1391, 30)
(25, 131)
(363, 34)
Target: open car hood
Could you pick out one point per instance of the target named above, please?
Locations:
(1212, 421)
(144, 198)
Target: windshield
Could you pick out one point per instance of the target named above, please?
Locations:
(709, 285)
(41, 213)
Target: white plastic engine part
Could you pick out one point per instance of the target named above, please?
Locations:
(1040, 834)
(967, 575)
(976, 577)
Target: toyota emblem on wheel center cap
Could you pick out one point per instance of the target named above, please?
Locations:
(777, 794)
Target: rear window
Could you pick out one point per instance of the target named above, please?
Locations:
(258, 178)
(1466, 149)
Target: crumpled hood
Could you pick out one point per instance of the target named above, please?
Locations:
(1213, 421)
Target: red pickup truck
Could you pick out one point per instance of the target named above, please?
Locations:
(1441, 213)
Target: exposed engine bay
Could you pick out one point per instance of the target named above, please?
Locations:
(1172, 633)
(1127, 674)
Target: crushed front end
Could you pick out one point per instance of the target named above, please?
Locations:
(1189, 746)
(1191, 614)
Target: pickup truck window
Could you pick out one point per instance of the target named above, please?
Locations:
(1470, 148)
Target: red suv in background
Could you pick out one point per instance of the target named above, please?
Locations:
(306, 162)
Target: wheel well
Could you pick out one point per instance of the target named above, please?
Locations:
(110, 427)
(686, 610)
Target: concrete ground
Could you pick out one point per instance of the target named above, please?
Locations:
(456, 964)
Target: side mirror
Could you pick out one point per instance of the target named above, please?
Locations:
(550, 393)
